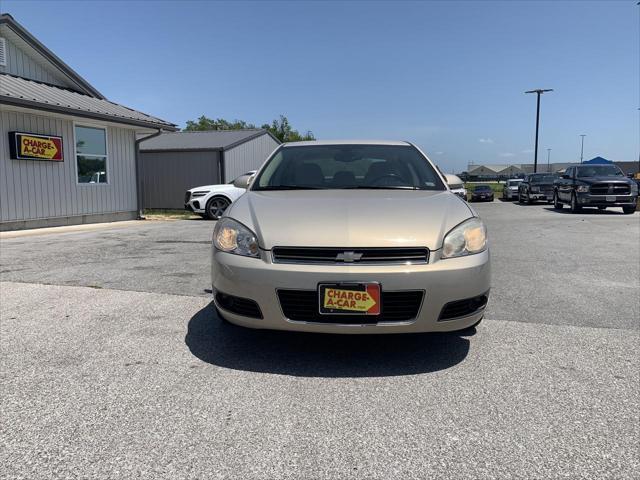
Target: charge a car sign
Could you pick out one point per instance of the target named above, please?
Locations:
(31, 146)
(356, 298)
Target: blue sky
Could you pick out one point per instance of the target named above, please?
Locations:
(448, 76)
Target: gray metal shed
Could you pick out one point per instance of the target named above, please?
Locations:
(175, 162)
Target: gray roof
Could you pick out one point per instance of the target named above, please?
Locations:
(202, 140)
(31, 94)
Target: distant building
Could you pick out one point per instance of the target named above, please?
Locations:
(503, 172)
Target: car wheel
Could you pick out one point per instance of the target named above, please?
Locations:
(575, 208)
(629, 210)
(216, 207)
(556, 202)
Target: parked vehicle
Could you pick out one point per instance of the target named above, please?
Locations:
(536, 186)
(456, 185)
(599, 186)
(482, 193)
(211, 201)
(350, 237)
(510, 190)
(98, 177)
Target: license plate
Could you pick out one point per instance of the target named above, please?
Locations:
(610, 198)
(349, 298)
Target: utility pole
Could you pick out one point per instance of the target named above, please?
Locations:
(539, 92)
(582, 148)
(548, 158)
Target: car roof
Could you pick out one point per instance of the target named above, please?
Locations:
(312, 143)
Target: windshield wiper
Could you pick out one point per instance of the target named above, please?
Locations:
(289, 187)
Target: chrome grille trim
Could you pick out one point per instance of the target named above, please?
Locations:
(610, 189)
(351, 256)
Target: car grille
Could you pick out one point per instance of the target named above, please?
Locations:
(349, 256)
(303, 306)
(238, 305)
(187, 197)
(462, 308)
(610, 189)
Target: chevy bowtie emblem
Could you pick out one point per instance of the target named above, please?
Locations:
(348, 257)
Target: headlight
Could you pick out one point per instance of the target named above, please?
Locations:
(233, 237)
(466, 239)
(634, 188)
(199, 193)
(535, 189)
(582, 188)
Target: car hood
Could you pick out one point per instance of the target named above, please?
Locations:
(590, 180)
(222, 186)
(350, 218)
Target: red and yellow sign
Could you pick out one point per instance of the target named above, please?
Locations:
(31, 146)
(362, 298)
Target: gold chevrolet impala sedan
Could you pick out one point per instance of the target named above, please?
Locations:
(350, 237)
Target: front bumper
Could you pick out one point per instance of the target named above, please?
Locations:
(480, 198)
(443, 281)
(588, 200)
(541, 196)
(194, 205)
(511, 194)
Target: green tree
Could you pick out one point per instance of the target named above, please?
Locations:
(280, 127)
(282, 130)
(204, 123)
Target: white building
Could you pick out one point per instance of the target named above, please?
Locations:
(67, 154)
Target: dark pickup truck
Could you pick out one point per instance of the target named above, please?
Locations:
(536, 186)
(599, 186)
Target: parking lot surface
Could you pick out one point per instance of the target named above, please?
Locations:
(114, 365)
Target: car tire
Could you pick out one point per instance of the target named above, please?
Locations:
(575, 208)
(629, 210)
(556, 202)
(216, 207)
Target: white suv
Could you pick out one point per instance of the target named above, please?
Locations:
(211, 201)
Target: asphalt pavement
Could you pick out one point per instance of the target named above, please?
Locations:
(114, 365)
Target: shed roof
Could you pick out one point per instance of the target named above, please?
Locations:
(202, 140)
(31, 94)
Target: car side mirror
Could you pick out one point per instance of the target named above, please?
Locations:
(242, 181)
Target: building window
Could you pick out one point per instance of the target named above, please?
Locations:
(91, 154)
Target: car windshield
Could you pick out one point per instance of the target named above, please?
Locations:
(328, 167)
(542, 179)
(600, 171)
(482, 188)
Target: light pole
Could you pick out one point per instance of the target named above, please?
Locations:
(582, 148)
(548, 162)
(539, 92)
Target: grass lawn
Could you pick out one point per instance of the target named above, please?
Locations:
(166, 214)
(496, 187)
